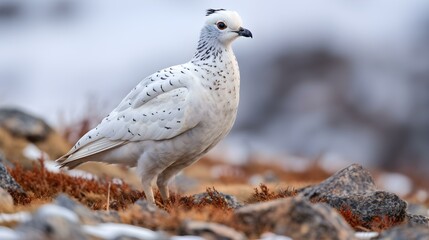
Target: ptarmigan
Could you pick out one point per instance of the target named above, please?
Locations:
(174, 116)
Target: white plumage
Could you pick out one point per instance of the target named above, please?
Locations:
(174, 116)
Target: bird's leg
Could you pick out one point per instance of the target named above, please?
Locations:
(166, 175)
(147, 188)
(162, 183)
(148, 171)
(147, 178)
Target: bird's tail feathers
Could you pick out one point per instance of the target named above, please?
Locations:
(75, 157)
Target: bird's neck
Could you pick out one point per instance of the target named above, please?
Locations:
(215, 58)
(210, 50)
(217, 66)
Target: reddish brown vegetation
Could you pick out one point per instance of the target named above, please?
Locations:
(44, 185)
(265, 194)
(353, 220)
(378, 223)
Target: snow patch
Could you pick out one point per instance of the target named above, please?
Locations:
(14, 217)
(32, 152)
(114, 230)
(396, 183)
(366, 235)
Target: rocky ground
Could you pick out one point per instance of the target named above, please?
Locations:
(210, 200)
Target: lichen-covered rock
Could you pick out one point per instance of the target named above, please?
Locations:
(296, 218)
(417, 220)
(351, 180)
(352, 192)
(374, 210)
(7, 182)
(405, 232)
(230, 200)
(209, 230)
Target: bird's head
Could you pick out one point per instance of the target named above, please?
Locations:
(223, 25)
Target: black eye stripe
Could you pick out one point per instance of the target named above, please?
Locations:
(221, 25)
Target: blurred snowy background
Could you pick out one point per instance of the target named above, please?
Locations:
(338, 81)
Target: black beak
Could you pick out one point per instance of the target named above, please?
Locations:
(244, 32)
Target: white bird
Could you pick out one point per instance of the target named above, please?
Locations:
(174, 116)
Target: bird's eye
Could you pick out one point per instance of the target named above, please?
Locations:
(221, 25)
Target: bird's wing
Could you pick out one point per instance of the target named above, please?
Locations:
(160, 107)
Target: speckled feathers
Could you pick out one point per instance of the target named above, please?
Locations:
(174, 116)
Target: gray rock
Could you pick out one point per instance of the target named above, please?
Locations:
(230, 200)
(375, 210)
(22, 124)
(86, 215)
(353, 192)
(296, 218)
(7, 182)
(351, 180)
(51, 222)
(417, 220)
(208, 230)
(405, 232)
